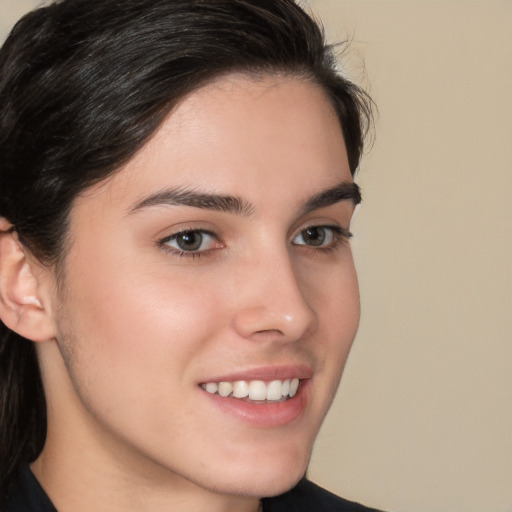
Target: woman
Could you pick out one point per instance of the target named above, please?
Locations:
(177, 290)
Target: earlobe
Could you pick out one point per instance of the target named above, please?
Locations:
(22, 307)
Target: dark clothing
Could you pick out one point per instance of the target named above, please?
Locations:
(28, 496)
(308, 497)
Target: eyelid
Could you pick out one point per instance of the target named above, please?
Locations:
(340, 236)
(163, 242)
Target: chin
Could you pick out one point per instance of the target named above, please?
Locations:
(263, 487)
(280, 485)
(267, 476)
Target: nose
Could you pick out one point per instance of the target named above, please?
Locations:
(272, 302)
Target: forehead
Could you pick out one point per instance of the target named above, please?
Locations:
(240, 133)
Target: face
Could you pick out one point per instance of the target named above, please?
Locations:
(209, 298)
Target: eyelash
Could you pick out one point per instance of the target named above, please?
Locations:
(340, 236)
(187, 254)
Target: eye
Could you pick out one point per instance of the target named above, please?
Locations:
(322, 236)
(191, 241)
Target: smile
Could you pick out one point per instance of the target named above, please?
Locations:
(255, 390)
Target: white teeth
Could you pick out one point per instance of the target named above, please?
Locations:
(240, 389)
(257, 390)
(212, 387)
(275, 390)
(286, 387)
(294, 384)
(225, 388)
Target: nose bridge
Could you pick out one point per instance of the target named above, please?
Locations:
(273, 300)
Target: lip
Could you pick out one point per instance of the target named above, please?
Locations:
(266, 373)
(258, 414)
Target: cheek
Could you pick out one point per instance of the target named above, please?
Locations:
(333, 293)
(139, 329)
(339, 312)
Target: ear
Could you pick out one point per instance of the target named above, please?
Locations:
(25, 301)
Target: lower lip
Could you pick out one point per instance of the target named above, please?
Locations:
(271, 414)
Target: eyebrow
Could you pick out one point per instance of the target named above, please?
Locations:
(187, 197)
(344, 191)
(231, 204)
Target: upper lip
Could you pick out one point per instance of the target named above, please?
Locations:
(265, 373)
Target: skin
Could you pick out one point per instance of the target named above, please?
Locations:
(138, 326)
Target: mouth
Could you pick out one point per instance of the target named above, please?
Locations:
(263, 396)
(255, 391)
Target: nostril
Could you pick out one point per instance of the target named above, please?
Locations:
(270, 332)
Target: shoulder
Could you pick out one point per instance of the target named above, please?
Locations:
(309, 497)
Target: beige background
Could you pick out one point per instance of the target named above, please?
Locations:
(423, 422)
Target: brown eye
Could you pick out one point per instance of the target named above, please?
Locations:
(315, 236)
(190, 241)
